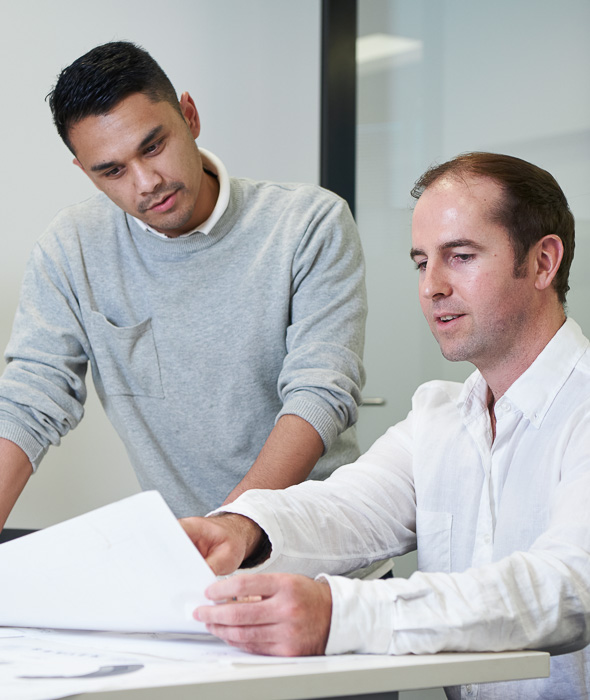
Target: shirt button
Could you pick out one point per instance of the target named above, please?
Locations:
(505, 406)
(469, 689)
(487, 539)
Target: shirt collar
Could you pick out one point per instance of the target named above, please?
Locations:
(536, 388)
(212, 163)
(473, 399)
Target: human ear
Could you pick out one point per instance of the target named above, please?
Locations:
(548, 256)
(190, 114)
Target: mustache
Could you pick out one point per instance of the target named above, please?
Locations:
(159, 195)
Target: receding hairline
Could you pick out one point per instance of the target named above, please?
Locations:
(469, 179)
(463, 175)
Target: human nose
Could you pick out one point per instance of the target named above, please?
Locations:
(435, 282)
(146, 179)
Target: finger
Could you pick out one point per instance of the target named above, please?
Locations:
(265, 649)
(222, 561)
(270, 640)
(263, 634)
(191, 527)
(201, 537)
(244, 585)
(238, 614)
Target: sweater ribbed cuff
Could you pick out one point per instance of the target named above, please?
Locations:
(15, 433)
(315, 415)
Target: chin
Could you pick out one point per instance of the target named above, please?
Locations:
(174, 227)
(454, 354)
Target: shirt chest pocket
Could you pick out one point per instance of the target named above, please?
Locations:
(126, 358)
(433, 531)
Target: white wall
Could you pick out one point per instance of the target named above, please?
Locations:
(252, 67)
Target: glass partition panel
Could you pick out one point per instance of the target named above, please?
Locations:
(436, 78)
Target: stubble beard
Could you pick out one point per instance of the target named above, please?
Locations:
(167, 222)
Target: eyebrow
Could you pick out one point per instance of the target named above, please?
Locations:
(145, 141)
(458, 243)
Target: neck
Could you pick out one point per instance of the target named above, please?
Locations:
(208, 194)
(502, 376)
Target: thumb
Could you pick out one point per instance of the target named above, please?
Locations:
(223, 560)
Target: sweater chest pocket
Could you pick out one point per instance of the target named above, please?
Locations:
(126, 358)
(433, 530)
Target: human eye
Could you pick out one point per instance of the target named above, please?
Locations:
(420, 264)
(113, 173)
(154, 148)
(463, 257)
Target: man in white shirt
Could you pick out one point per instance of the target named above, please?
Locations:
(489, 479)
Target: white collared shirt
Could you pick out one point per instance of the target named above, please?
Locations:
(212, 163)
(502, 528)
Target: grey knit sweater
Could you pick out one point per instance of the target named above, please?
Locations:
(197, 345)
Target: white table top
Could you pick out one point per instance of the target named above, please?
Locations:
(339, 676)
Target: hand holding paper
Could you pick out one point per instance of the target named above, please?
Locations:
(277, 614)
(225, 540)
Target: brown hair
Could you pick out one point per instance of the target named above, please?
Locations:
(533, 205)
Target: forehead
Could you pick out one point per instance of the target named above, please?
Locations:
(123, 127)
(456, 207)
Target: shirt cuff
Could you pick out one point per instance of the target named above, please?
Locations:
(362, 616)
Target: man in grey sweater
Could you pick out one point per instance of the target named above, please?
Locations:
(223, 319)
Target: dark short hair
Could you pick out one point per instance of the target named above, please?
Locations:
(533, 205)
(96, 82)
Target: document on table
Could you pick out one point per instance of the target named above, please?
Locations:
(42, 664)
(126, 567)
(104, 601)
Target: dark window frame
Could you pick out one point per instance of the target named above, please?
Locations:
(338, 98)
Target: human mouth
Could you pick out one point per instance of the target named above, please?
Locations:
(446, 319)
(164, 204)
(160, 202)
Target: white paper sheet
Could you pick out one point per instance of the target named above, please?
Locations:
(104, 601)
(48, 664)
(43, 664)
(128, 566)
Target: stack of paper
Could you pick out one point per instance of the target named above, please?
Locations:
(126, 567)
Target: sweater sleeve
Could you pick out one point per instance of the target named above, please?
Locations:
(323, 374)
(42, 390)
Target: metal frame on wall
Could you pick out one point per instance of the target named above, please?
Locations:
(338, 98)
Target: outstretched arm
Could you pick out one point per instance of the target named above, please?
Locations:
(288, 456)
(15, 470)
(322, 374)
